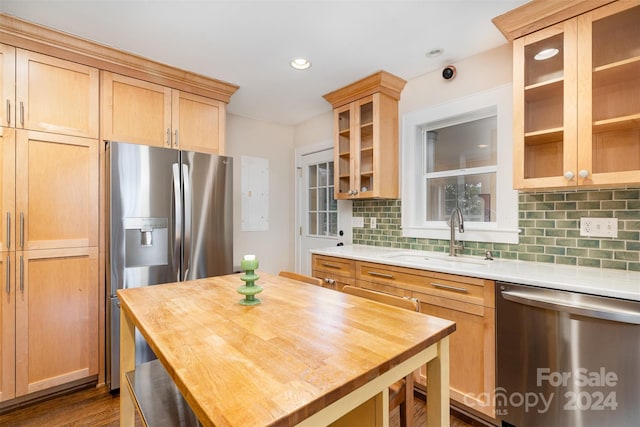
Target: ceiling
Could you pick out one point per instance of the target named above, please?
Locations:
(250, 43)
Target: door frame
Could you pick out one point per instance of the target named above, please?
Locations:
(344, 206)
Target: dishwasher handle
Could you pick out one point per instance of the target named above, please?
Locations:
(601, 311)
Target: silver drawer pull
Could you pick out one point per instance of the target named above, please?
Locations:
(375, 273)
(326, 264)
(449, 288)
(330, 281)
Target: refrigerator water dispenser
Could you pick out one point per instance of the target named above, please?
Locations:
(146, 241)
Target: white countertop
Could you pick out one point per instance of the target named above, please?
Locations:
(588, 280)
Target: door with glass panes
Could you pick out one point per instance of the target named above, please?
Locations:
(319, 210)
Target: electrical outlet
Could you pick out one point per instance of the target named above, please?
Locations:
(599, 227)
(373, 223)
(357, 221)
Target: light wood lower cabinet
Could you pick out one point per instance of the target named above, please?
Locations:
(335, 272)
(468, 301)
(7, 326)
(56, 318)
(49, 265)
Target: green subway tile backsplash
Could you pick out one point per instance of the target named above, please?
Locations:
(550, 224)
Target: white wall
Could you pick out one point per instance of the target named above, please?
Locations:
(484, 71)
(477, 73)
(247, 137)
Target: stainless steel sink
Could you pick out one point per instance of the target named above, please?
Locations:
(436, 259)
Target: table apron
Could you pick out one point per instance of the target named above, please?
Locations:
(372, 388)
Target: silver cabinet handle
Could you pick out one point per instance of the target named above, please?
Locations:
(8, 112)
(8, 230)
(22, 113)
(326, 264)
(21, 230)
(186, 184)
(176, 144)
(375, 273)
(330, 281)
(21, 273)
(168, 137)
(8, 278)
(177, 220)
(450, 288)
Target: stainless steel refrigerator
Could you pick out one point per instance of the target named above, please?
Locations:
(170, 219)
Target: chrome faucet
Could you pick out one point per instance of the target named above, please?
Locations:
(456, 213)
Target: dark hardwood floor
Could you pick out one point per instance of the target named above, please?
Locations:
(97, 407)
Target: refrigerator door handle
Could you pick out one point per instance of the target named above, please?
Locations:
(177, 219)
(187, 220)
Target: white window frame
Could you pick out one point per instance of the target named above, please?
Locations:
(414, 224)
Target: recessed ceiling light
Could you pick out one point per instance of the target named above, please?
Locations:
(434, 52)
(482, 145)
(546, 54)
(300, 63)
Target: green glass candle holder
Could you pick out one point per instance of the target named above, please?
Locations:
(249, 265)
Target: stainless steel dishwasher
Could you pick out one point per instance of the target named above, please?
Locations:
(566, 359)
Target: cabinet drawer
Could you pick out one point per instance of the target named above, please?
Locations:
(461, 288)
(337, 266)
(333, 281)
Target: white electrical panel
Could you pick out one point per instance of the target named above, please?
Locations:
(599, 227)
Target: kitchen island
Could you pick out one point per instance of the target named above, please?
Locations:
(304, 356)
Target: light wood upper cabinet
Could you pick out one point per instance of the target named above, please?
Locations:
(146, 113)
(577, 114)
(54, 95)
(199, 123)
(56, 325)
(366, 137)
(135, 111)
(7, 85)
(56, 191)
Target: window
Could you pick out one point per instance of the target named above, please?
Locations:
(460, 164)
(323, 209)
(459, 154)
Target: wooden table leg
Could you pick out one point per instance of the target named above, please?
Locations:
(127, 363)
(438, 387)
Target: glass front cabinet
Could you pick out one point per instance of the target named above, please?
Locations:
(577, 101)
(366, 137)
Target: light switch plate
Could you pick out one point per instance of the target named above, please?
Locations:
(599, 227)
(373, 223)
(357, 221)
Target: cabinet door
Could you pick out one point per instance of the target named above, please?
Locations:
(362, 147)
(56, 318)
(56, 191)
(7, 189)
(135, 111)
(7, 85)
(343, 160)
(7, 325)
(545, 100)
(609, 95)
(57, 96)
(472, 353)
(198, 123)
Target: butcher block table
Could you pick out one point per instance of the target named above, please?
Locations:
(305, 356)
